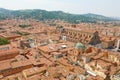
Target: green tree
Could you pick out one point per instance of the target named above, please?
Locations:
(4, 41)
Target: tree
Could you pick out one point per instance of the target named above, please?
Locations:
(4, 41)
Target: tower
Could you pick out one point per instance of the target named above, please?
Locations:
(118, 46)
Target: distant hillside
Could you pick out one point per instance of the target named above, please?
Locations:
(116, 18)
(48, 15)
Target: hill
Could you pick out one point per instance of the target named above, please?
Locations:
(55, 15)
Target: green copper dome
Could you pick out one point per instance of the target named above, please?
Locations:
(30, 39)
(79, 46)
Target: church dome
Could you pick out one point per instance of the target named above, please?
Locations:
(79, 46)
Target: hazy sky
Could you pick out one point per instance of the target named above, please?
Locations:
(104, 7)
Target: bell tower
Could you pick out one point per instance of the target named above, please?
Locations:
(118, 46)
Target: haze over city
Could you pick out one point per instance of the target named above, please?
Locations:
(103, 7)
(59, 40)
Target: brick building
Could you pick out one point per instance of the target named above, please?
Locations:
(8, 54)
(77, 35)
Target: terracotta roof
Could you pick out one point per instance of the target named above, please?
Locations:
(48, 49)
(8, 52)
(85, 30)
(108, 39)
(103, 63)
(34, 71)
(5, 65)
(4, 47)
(20, 63)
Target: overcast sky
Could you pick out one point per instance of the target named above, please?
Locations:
(103, 7)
